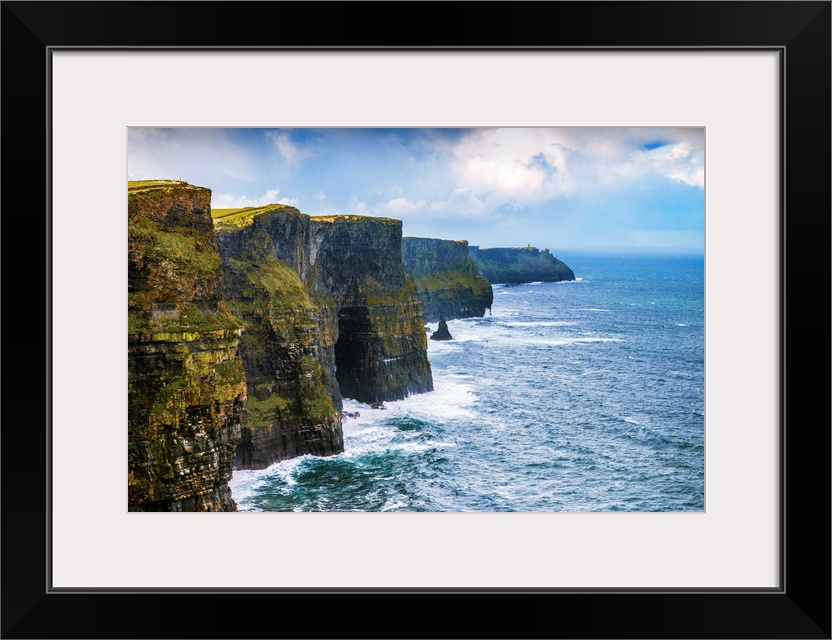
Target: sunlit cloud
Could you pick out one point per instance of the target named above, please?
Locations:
(528, 166)
(230, 201)
(399, 207)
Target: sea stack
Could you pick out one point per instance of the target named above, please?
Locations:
(442, 332)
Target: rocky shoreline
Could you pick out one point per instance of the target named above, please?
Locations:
(245, 332)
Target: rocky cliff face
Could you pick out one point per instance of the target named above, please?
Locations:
(186, 384)
(448, 282)
(328, 311)
(516, 265)
(288, 347)
(381, 352)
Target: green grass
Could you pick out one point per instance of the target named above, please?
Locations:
(239, 218)
(233, 219)
(276, 279)
(146, 184)
(353, 218)
(194, 252)
(221, 213)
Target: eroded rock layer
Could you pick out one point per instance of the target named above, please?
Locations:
(288, 347)
(518, 265)
(448, 282)
(328, 311)
(381, 352)
(186, 383)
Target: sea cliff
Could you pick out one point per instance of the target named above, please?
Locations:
(328, 312)
(381, 352)
(287, 348)
(186, 384)
(448, 282)
(519, 264)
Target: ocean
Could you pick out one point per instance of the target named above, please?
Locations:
(584, 396)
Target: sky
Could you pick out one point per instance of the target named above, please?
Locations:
(565, 189)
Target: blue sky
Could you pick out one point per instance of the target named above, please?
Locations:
(570, 189)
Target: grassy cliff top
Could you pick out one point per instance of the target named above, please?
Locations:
(145, 185)
(354, 218)
(465, 242)
(233, 219)
(526, 248)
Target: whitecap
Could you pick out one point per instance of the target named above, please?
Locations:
(539, 323)
(245, 484)
(451, 399)
(398, 504)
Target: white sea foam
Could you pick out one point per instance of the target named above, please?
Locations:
(552, 341)
(390, 505)
(513, 341)
(377, 433)
(451, 399)
(507, 333)
(246, 483)
(539, 323)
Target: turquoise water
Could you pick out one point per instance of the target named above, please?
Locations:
(573, 396)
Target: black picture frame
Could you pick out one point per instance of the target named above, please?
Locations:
(799, 608)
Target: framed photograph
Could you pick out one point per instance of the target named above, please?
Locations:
(753, 78)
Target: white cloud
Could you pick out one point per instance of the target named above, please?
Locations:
(289, 150)
(496, 173)
(461, 204)
(230, 201)
(680, 162)
(523, 166)
(399, 207)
